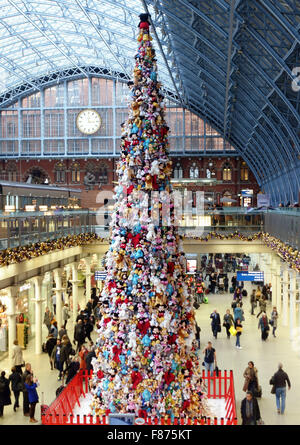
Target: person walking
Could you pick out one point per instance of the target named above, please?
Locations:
(253, 301)
(88, 329)
(48, 317)
(215, 323)
(262, 306)
(17, 357)
(197, 335)
(54, 302)
(251, 378)
(226, 283)
(258, 294)
(263, 324)
(50, 343)
(5, 399)
(228, 321)
(16, 385)
(55, 357)
(238, 313)
(82, 354)
(88, 359)
(53, 329)
(250, 411)
(27, 371)
(62, 332)
(79, 334)
(210, 358)
(31, 384)
(239, 328)
(65, 352)
(65, 314)
(273, 320)
(279, 381)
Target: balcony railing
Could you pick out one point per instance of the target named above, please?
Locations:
(23, 228)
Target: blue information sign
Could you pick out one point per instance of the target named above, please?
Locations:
(250, 276)
(100, 275)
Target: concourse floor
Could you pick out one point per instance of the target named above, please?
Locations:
(265, 356)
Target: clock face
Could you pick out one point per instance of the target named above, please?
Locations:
(88, 121)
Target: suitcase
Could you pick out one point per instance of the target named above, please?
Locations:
(231, 290)
(44, 407)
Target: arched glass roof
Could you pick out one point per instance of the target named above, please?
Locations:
(234, 62)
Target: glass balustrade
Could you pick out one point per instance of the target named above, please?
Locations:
(22, 228)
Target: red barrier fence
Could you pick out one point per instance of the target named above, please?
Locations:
(60, 412)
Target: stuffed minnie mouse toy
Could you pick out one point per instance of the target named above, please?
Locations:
(144, 21)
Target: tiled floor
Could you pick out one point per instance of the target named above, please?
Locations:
(265, 356)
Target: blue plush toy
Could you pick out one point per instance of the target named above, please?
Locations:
(137, 228)
(138, 254)
(112, 407)
(146, 340)
(146, 395)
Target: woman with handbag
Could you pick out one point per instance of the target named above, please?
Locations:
(251, 379)
(239, 328)
(228, 322)
(263, 324)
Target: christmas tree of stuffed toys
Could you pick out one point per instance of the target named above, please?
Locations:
(146, 361)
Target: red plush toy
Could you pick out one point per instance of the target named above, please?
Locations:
(144, 23)
(136, 378)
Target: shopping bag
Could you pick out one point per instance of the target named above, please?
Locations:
(232, 330)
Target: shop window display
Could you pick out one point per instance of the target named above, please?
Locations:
(3, 324)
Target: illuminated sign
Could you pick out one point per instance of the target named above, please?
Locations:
(250, 276)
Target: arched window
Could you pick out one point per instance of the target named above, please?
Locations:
(11, 172)
(60, 172)
(244, 172)
(36, 175)
(210, 170)
(227, 172)
(177, 172)
(194, 171)
(75, 172)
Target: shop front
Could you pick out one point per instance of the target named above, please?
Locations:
(3, 324)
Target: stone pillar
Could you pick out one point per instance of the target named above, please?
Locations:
(38, 313)
(11, 315)
(285, 297)
(75, 283)
(88, 275)
(275, 281)
(58, 291)
(292, 274)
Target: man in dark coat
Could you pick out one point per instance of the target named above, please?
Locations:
(88, 329)
(250, 410)
(79, 334)
(4, 393)
(215, 323)
(50, 343)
